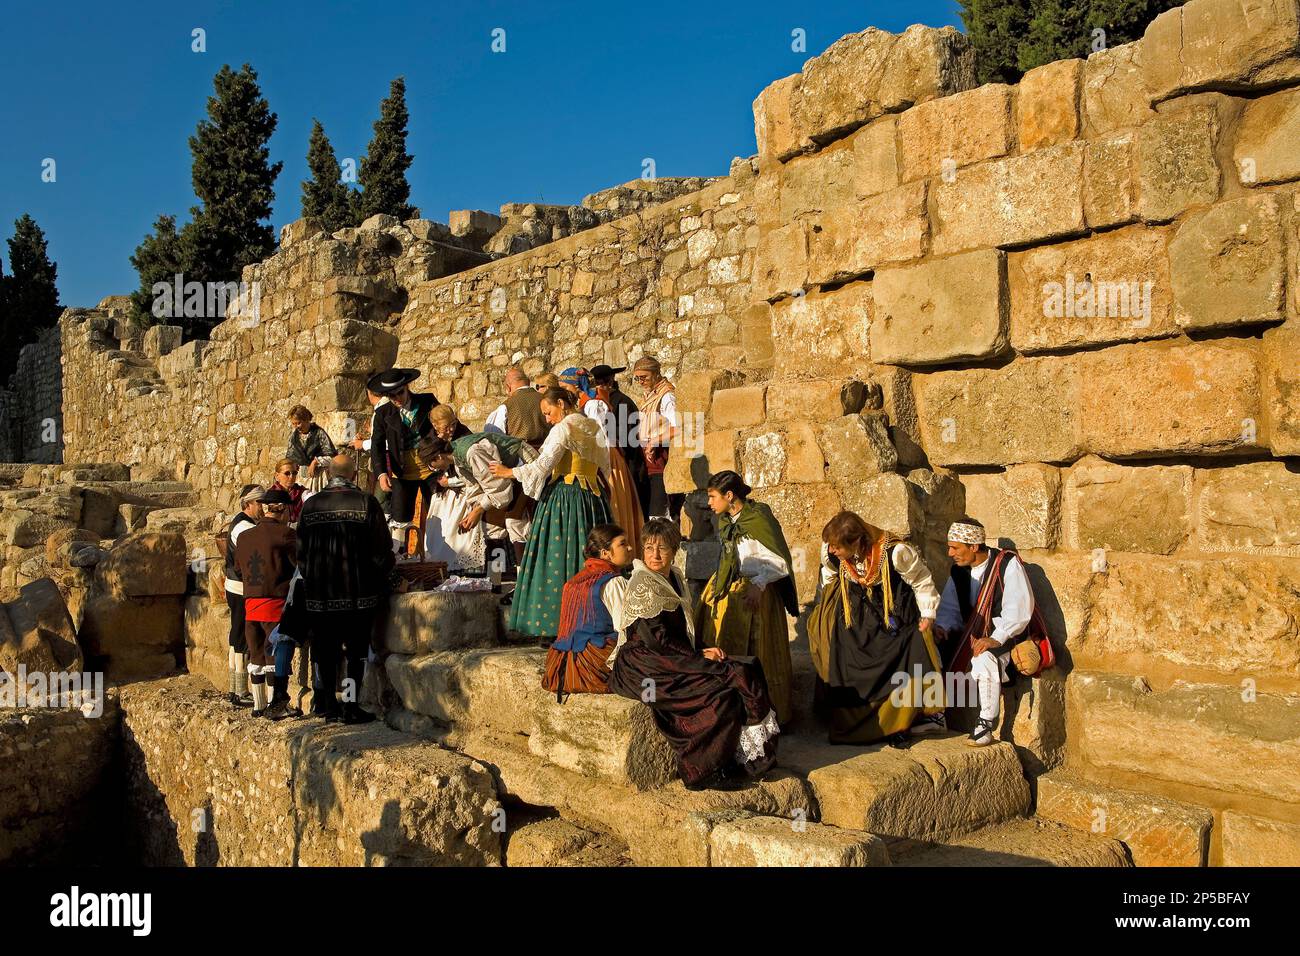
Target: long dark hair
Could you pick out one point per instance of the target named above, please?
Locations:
(848, 530)
(728, 481)
(601, 538)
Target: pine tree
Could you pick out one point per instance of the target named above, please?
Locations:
(1011, 37)
(160, 257)
(233, 179)
(32, 295)
(324, 197)
(384, 188)
(5, 350)
(995, 28)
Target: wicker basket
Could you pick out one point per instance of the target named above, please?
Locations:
(422, 575)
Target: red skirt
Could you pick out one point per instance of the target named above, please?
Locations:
(581, 673)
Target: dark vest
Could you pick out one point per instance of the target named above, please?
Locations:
(961, 581)
(524, 415)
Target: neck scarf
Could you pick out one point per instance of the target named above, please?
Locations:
(650, 594)
(579, 597)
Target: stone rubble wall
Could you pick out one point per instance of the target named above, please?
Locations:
(31, 420)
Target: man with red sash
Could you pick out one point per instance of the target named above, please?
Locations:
(989, 603)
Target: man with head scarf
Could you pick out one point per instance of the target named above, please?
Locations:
(986, 607)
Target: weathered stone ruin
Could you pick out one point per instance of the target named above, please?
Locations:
(1069, 307)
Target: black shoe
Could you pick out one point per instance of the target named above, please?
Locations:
(259, 713)
(720, 780)
(545, 641)
(331, 716)
(353, 714)
(237, 701)
(277, 709)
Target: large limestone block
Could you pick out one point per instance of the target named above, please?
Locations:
(1227, 265)
(1256, 841)
(738, 407)
(297, 794)
(742, 839)
(940, 311)
(964, 415)
(858, 447)
(36, 632)
(558, 842)
(1111, 287)
(134, 638)
(853, 240)
(1030, 842)
(774, 123)
(207, 640)
(1158, 831)
(1177, 168)
(1020, 199)
(859, 77)
(1200, 735)
(492, 687)
(781, 261)
(1233, 615)
(939, 137)
(424, 622)
(762, 460)
(28, 529)
(604, 735)
(888, 501)
(822, 333)
(839, 176)
(1249, 507)
(1124, 508)
(1110, 175)
(1280, 376)
(1159, 398)
(933, 789)
(1265, 151)
(1114, 94)
(1048, 104)
(1207, 44)
(143, 564)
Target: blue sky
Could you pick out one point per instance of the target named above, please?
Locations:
(583, 93)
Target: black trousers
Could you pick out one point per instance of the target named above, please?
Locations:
(662, 503)
(237, 639)
(402, 502)
(337, 636)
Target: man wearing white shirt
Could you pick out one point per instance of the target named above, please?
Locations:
(987, 611)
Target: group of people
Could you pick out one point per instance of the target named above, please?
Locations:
(566, 479)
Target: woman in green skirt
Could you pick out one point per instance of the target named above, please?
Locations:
(565, 480)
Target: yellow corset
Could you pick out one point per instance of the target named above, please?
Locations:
(573, 469)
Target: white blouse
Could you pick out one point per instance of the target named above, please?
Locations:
(907, 562)
(575, 433)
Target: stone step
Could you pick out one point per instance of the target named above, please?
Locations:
(1030, 842)
(1157, 831)
(655, 825)
(934, 787)
(555, 841)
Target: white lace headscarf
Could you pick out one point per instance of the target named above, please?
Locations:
(650, 594)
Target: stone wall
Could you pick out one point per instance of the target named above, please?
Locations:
(1138, 442)
(31, 419)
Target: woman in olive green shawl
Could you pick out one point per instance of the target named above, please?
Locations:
(743, 608)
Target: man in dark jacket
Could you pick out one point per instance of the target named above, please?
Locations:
(399, 426)
(345, 557)
(265, 556)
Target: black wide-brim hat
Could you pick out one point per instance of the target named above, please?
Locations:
(604, 371)
(391, 382)
(277, 496)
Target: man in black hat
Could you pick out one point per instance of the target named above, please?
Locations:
(345, 560)
(625, 435)
(399, 426)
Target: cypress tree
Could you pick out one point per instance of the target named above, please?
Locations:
(995, 28)
(384, 188)
(324, 197)
(158, 258)
(31, 295)
(235, 181)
